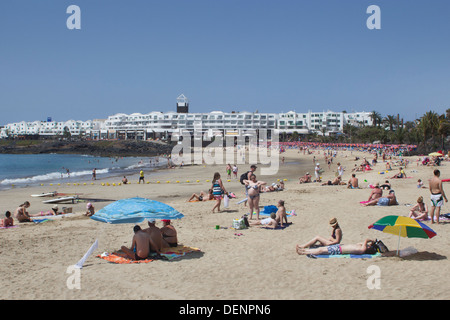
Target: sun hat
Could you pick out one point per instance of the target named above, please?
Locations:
(333, 222)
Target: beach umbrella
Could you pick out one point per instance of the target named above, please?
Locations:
(135, 210)
(435, 154)
(403, 227)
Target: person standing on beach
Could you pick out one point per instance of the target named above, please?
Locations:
(437, 196)
(317, 172)
(94, 175)
(141, 177)
(246, 176)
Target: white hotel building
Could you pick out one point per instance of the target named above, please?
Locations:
(159, 125)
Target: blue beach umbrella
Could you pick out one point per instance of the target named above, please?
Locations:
(135, 210)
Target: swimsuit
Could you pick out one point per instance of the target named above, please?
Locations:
(437, 200)
(136, 257)
(266, 221)
(334, 249)
(383, 201)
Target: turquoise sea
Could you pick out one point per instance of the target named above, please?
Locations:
(34, 169)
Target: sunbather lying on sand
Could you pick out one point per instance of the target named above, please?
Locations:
(336, 249)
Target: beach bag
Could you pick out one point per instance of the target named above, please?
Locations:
(381, 247)
(244, 176)
(239, 224)
(225, 201)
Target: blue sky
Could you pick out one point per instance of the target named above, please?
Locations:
(270, 56)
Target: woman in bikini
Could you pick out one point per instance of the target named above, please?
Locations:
(336, 237)
(419, 211)
(253, 187)
(21, 213)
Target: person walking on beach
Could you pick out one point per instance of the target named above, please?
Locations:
(217, 190)
(437, 196)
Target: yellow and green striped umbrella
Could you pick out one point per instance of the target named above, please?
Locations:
(403, 227)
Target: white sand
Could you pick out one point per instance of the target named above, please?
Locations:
(260, 264)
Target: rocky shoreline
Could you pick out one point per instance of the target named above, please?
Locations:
(97, 148)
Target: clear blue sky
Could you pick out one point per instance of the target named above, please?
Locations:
(271, 56)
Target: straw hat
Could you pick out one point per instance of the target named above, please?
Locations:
(333, 222)
(55, 207)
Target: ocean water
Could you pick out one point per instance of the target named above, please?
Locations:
(34, 169)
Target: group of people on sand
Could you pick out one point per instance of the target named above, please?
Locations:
(276, 219)
(151, 241)
(376, 197)
(22, 215)
(332, 246)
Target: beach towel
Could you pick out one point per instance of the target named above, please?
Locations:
(40, 220)
(15, 226)
(168, 254)
(352, 256)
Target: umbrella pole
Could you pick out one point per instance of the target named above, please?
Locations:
(399, 232)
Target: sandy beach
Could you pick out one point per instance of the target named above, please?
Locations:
(259, 264)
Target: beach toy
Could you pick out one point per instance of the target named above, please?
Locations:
(119, 184)
(51, 184)
(157, 181)
(365, 180)
(187, 181)
(284, 179)
(167, 181)
(114, 184)
(84, 183)
(178, 181)
(228, 180)
(217, 227)
(103, 184)
(198, 180)
(207, 180)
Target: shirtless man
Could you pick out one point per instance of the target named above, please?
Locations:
(305, 179)
(336, 249)
(281, 213)
(21, 213)
(353, 182)
(437, 196)
(141, 242)
(169, 234)
(155, 235)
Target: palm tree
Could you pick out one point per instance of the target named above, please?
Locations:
(376, 118)
(390, 121)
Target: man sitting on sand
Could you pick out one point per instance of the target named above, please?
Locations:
(305, 179)
(124, 180)
(336, 181)
(155, 235)
(169, 234)
(353, 182)
(8, 221)
(337, 249)
(281, 213)
(140, 246)
(389, 200)
(21, 213)
(400, 175)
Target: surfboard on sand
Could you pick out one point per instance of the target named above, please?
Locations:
(61, 199)
(48, 194)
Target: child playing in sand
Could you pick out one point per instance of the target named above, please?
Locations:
(8, 221)
(90, 210)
